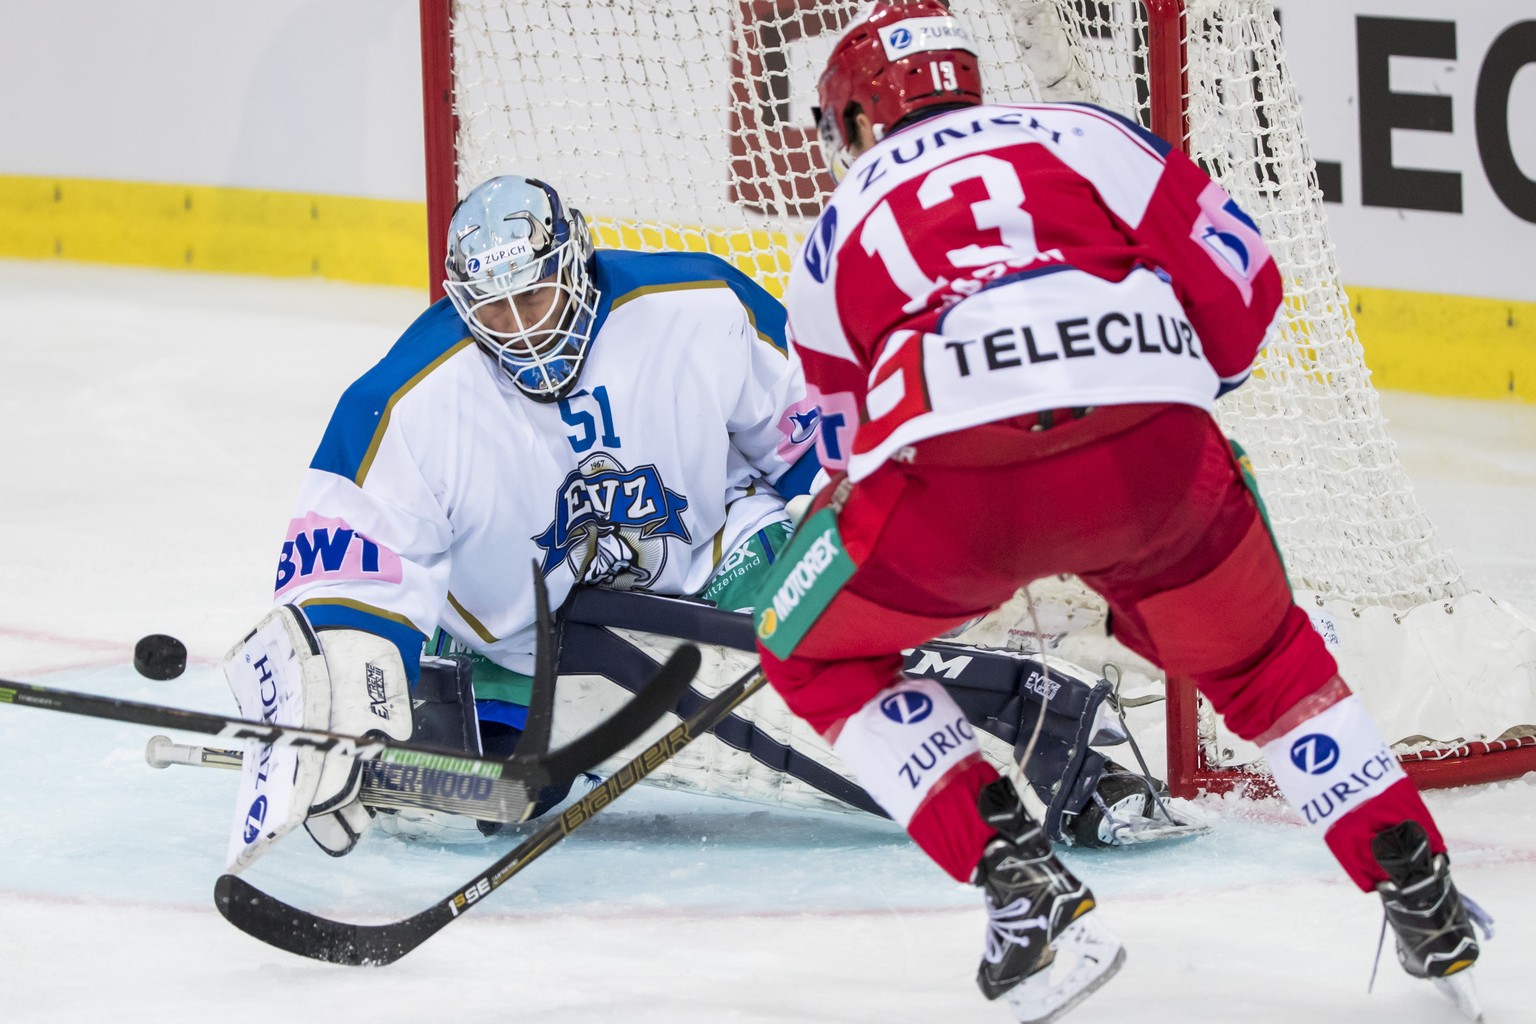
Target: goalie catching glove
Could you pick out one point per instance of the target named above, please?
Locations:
(353, 683)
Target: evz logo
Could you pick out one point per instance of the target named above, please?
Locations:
(614, 519)
(818, 248)
(1315, 753)
(905, 707)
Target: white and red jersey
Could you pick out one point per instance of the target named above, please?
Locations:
(998, 260)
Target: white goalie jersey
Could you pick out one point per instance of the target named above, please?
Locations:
(439, 488)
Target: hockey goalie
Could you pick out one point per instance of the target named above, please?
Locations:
(631, 425)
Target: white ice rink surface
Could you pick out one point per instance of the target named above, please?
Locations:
(153, 431)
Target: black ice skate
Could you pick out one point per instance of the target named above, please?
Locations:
(1431, 920)
(1041, 953)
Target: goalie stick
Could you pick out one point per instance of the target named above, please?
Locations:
(384, 784)
(278, 924)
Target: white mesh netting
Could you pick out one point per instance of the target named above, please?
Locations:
(686, 123)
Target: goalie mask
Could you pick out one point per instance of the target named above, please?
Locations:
(519, 271)
(895, 60)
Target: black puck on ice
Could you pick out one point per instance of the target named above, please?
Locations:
(158, 656)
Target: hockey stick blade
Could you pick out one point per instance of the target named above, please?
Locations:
(297, 931)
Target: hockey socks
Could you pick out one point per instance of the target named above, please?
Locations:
(1334, 766)
(912, 749)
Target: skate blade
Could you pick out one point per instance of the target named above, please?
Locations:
(1086, 957)
(1462, 990)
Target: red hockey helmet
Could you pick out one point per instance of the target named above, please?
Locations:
(898, 57)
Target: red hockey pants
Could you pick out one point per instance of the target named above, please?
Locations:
(1147, 505)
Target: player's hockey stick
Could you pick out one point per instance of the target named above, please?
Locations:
(297, 931)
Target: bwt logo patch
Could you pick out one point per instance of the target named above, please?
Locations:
(818, 248)
(905, 707)
(255, 818)
(321, 548)
(1315, 754)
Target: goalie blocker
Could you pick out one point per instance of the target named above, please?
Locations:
(280, 673)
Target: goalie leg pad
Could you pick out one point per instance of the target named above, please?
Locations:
(1063, 769)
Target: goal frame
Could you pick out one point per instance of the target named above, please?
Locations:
(1190, 768)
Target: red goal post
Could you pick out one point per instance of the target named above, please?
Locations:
(684, 124)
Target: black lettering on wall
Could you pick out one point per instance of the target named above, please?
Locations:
(1330, 178)
(1382, 183)
(1514, 48)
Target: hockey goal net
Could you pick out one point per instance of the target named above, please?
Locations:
(686, 124)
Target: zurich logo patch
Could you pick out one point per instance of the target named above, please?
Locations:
(901, 39)
(907, 706)
(473, 265)
(254, 819)
(818, 248)
(1315, 753)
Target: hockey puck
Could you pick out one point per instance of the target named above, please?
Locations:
(158, 656)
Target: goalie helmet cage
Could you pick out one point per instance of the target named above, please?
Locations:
(685, 124)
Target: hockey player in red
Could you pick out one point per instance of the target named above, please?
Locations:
(1017, 321)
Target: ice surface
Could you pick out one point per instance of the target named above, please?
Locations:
(155, 427)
